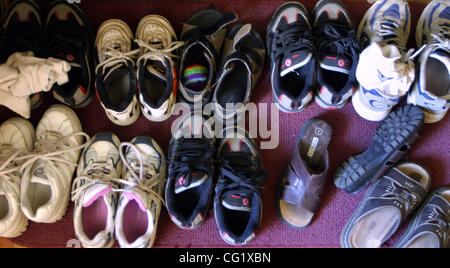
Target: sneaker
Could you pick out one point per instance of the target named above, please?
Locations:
(242, 65)
(191, 170)
(70, 38)
(22, 28)
(115, 72)
(338, 54)
(385, 71)
(48, 170)
(431, 90)
(292, 61)
(139, 207)
(203, 34)
(157, 67)
(237, 204)
(16, 139)
(93, 191)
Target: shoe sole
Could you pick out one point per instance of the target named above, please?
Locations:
(365, 112)
(389, 144)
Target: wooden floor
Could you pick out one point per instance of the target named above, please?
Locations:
(5, 243)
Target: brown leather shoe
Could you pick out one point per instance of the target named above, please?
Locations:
(301, 186)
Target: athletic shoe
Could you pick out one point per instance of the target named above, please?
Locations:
(144, 178)
(190, 176)
(431, 90)
(203, 33)
(48, 170)
(93, 191)
(156, 67)
(242, 64)
(115, 73)
(16, 139)
(22, 28)
(292, 61)
(237, 204)
(70, 38)
(337, 54)
(385, 71)
(390, 143)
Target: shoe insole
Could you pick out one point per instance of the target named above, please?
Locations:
(4, 208)
(233, 86)
(337, 80)
(437, 80)
(372, 230)
(196, 56)
(39, 194)
(135, 221)
(95, 218)
(236, 221)
(155, 87)
(313, 144)
(294, 82)
(119, 89)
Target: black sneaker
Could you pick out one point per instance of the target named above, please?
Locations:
(291, 50)
(21, 32)
(337, 54)
(238, 205)
(203, 33)
(71, 39)
(190, 173)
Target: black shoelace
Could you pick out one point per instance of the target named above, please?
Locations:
(337, 37)
(239, 174)
(291, 38)
(192, 155)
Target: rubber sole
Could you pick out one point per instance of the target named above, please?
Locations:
(390, 143)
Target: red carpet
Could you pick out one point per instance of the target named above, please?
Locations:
(352, 135)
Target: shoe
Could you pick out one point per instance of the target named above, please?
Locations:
(429, 226)
(385, 71)
(22, 27)
(385, 206)
(139, 208)
(301, 185)
(242, 64)
(203, 34)
(157, 67)
(115, 73)
(16, 139)
(191, 170)
(337, 54)
(292, 57)
(48, 170)
(237, 204)
(390, 143)
(431, 89)
(94, 191)
(70, 38)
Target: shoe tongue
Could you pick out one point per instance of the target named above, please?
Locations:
(292, 62)
(113, 69)
(137, 195)
(95, 192)
(235, 201)
(39, 176)
(190, 181)
(336, 63)
(157, 69)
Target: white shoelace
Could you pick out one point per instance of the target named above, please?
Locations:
(140, 181)
(114, 56)
(8, 165)
(150, 52)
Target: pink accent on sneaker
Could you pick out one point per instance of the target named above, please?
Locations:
(98, 195)
(131, 196)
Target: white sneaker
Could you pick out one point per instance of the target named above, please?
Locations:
(48, 171)
(94, 191)
(385, 71)
(431, 90)
(140, 205)
(16, 139)
(157, 67)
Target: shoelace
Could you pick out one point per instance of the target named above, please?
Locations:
(192, 155)
(340, 36)
(114, 56)
(239, 175)
(406, 197)
(50, 151)
(153, 53)
(292, 37)
(8, 165)
(140, 181)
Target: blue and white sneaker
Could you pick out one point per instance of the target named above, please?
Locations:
(385, 70)
(431, 90)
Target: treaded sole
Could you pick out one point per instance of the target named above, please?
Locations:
(390, 142)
